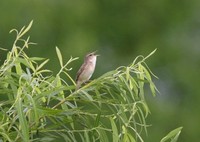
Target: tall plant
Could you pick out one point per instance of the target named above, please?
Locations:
(38, 106)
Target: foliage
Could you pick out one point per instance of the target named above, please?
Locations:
(173, 135)
(38, 106)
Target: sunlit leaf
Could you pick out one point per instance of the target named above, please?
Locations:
(42, 64)
(173, 135)
(23, 31)
(59, 56)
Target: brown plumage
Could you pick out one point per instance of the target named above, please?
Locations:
(86, 70)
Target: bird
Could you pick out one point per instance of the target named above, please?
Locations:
(86, 70)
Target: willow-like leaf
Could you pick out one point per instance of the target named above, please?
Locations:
(173, 135)
(115, 134)
(59, 56)
(23, 31)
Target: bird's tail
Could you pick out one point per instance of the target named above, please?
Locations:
(78, 85)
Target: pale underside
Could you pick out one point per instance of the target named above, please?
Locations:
(85, 72)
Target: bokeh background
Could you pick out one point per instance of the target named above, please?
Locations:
(121, 30)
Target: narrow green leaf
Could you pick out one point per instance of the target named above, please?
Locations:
(87, 137)
(22, 120)
(127, 73)
(108, 75)
(59, 56)
(96, 124)
(25, 30)
(5, 136)
(141, 77)
(151, 84)
(3, 49)
(43, 71)
(134, 86)
(14, 30)
(126, 85)
(103, 136)
(36, 58)
(35, 116)
(42, 64)
(173, 135)
(22, 60)
(88, 96)
(125, 134)
(131, 138)
(18, 68)
(115, 134)
(175, 139)
(150, 54)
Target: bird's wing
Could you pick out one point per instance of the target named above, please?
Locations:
(79, 72)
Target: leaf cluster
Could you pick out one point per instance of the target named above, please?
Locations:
(38, 106)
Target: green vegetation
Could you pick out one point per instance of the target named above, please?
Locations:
(38, 106)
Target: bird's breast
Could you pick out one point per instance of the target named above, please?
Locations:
(87, 72)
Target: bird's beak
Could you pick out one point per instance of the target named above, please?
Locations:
(94, 53)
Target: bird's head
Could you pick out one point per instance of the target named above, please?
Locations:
(91, 57)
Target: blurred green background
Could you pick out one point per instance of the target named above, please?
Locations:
(120, 30)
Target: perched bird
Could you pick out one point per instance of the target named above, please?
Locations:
(86, 70)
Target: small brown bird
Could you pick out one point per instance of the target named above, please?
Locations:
(87, 69)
